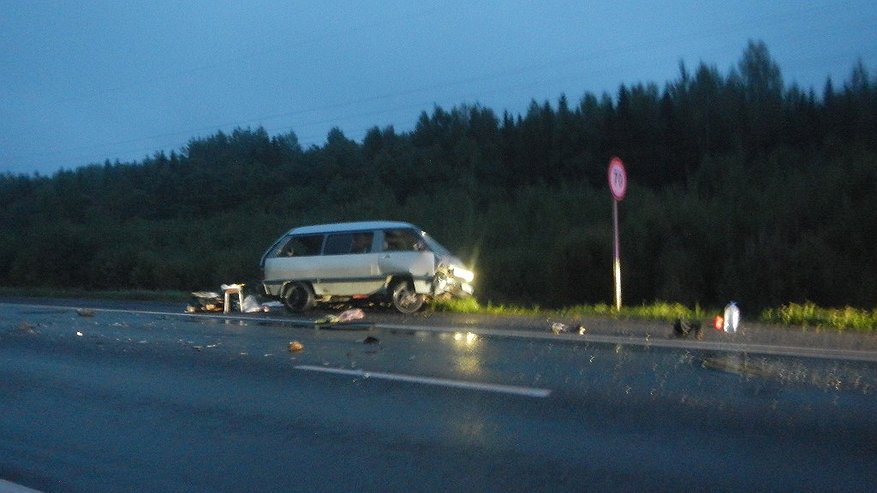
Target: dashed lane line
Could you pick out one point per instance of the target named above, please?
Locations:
(444, 382)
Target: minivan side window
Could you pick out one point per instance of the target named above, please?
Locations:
(346, 243)
(302, 246)
(402, 240)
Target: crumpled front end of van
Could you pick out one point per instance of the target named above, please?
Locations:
(452, 280)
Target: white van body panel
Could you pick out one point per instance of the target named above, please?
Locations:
(338, 275)
(421, 266)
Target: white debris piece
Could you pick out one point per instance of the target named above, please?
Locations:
(558, 328)
(251, 305)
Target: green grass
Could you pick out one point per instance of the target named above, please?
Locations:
(806, 316)
(810, 315)
(655, 311)
(471, 305)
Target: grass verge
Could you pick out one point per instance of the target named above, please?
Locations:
(804, 315)
(810, 315)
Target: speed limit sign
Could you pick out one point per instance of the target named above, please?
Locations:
(617, 178)
(618, 186)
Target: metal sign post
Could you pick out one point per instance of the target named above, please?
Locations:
(618, 186)
(616, 259)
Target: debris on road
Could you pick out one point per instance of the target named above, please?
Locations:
(211, 301)
(271, 305)
(559, 328)
(685, 328)
(201, 348)
(205, 301)
(371, 340)
(85, 312)
(25, 326)
(252, 305)
(295, 346)
(345, 316)
(228, 291)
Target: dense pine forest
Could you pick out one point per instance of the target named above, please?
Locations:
(741, 187)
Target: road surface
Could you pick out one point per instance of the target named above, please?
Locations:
(142, 398)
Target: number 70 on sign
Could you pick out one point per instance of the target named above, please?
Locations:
(617, 178)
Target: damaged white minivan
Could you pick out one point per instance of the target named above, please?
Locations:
(383, 260)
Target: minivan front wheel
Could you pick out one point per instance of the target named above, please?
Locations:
(405, 298)
(298, 297)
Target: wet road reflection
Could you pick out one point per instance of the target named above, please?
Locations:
(128, 401)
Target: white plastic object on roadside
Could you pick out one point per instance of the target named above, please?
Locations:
(251, 305)
(559, 328)
(731, 318)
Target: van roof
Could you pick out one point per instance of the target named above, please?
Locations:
(351, 226)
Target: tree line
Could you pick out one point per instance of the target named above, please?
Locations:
(741, 187)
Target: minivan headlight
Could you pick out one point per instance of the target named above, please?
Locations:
(464, 274)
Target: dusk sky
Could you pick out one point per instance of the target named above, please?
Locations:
(82, 82)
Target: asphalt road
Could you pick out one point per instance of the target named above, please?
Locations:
(139, 397)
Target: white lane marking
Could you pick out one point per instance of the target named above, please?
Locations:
(462, 384)
(9, 487)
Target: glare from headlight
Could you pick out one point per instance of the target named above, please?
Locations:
(464, 274)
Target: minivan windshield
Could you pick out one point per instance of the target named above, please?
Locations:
(407, 239)
(435, 246)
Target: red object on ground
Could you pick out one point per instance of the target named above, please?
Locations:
(718, 322)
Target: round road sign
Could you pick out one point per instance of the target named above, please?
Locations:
(617, 178)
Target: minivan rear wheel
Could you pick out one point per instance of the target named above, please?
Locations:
(298, 297)
(405, 298)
